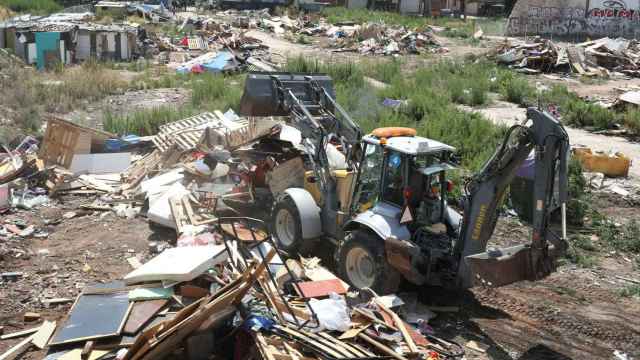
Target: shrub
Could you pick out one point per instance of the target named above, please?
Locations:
(580, 113)
(32, 6)
(516, 89)
(632, 121)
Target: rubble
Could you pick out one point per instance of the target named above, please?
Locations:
(225, 276)
(602, 57)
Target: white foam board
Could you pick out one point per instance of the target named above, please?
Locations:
(178, 264)
(100, 163)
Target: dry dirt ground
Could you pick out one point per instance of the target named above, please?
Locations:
(575, 313)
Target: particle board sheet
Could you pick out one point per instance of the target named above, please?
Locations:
(141, 313)
(313, 289)
(94, 317)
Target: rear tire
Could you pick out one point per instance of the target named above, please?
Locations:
(363, 264)
(287, 228)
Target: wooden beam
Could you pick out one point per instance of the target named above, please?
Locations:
(41, 338)
(381, 347)
(17, 349)
(19, 333)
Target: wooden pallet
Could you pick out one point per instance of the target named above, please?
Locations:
(190, 132)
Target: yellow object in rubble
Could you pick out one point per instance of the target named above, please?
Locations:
(610, 165)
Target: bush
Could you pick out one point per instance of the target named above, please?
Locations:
(32, 6)
(632, 121)
(580, 113)
(517, 90)
(577, 204)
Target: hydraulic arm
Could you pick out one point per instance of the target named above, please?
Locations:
(485, 191)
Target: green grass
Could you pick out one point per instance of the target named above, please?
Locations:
(580, 257)
(144, 122)
(625, 237)
(209, 92)
(456, 28)
(32, 6)
(630, 291)
(631, 120)
(431, 93)
(578, 202)
(382, 70)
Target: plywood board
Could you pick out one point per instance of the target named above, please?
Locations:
(63, 139)
(141, 313)
(94, 317)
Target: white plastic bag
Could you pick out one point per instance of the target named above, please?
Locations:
(332, 312)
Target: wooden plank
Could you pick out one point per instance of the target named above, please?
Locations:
(353, 332)
(141, 314)
(385, 349)
(341, 344)
(401, 326)
(175, 203)
(41, 338)
(86, 350)
(19, 333)
(320, 346)
(17, 349)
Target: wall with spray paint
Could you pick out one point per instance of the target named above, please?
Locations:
(567, 18)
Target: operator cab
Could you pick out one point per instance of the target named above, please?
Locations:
(403, 185)
(402, 170)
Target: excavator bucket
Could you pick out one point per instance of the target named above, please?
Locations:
(499, 267)
(264, 92)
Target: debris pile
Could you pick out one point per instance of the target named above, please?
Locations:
(225, 279)
(222, 282)
(602, 57)
(367, 38)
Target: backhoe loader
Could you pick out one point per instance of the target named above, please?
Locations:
(386, 211)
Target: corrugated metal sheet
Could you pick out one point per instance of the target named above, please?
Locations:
(83, 46)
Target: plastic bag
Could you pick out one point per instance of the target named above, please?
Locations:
(332, 312)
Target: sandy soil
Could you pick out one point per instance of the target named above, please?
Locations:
(506, 113)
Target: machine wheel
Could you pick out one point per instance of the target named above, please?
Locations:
(287, 229)
(363, 264)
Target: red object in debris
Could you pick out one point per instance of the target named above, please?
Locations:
(312, 289)
(184, 41)
(197, 69)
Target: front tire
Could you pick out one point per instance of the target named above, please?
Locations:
(363, 264)
(287, 228)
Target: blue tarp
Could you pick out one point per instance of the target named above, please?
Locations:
(218, 63)
(47, 42)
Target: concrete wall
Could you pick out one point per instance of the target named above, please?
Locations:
(594, 18)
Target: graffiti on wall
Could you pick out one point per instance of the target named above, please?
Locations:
(614, 17)
(611, 18)
(548, 20)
